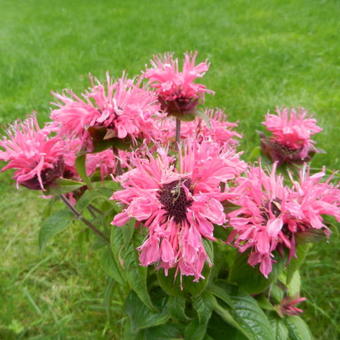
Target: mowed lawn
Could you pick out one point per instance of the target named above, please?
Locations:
(263, 54)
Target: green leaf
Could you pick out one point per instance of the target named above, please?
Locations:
(298, 329)
(176, 308)
(108, 297)
(294, 285)
(296, 262)
(176, 286)
(196, 330)
(81, 169)
(264, 303)
(225, 314)
(219, 329)
(126, 256)
(279, 329)
(251, 318)
(110, 266)
(63, 186)
(142, 317)
(91, 196)
(250, 279)
(277, 293)
(53, 225)
(209, 248)
(163, 332)
(222, 293)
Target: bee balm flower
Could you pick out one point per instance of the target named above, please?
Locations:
(291, 136)
(178, 207)
(177, 92)
(36, 157)
(271, 215)
(120, 110)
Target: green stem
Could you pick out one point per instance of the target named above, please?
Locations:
(80, 217)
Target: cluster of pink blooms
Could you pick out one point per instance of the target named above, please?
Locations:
(178, 206)
(123, 109)
(272, 215)
(177, 92)
(36, 156)
(178, 189)
(291, 136)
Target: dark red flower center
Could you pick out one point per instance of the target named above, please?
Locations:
(174, 199)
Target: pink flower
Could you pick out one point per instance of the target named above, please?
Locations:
(271, 215)
(36, 157)
(178, 207)
(288, 306)
(120, 109)
(291, 136)
(312, 199)
(176, 90)
(218, 129)
(103, 161)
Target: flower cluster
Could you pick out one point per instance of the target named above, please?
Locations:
(271, 215)
(291, 136)
(177, 92)
(179, 207)
(177, 192)
(121, 109)
(36, 156)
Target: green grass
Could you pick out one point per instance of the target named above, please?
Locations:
(263, 54)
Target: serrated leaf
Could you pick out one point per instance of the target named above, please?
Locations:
(296, 262)
(63, 186)
(294, 285)
(127, 258)
(219, 329)
(168, 332)
(110, 266)
(251, 318)
(298, 329)
(91, 196)
(249, 278)
(183, 286)
(142, 317)
(225, 314)
(53, 225)
(176, 308)
(80, 165)
(279, 329)
(209, 248)
(221, 293)
(196, 330)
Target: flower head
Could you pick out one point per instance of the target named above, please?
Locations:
(121, 109)
(272, 215)
(36, 157)
(178, 207)
(177, 91)
(103, 161)
(291, 136)
(288, 306)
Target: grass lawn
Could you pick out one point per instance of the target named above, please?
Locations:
(263, 53)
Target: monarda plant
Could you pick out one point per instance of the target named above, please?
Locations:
(204, 244)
